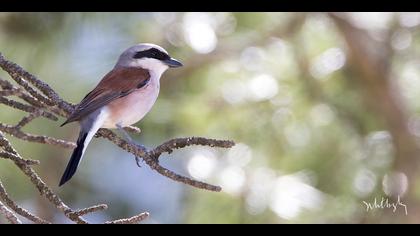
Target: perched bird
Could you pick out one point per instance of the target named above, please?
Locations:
(123, 97)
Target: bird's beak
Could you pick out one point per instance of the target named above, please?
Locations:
(171, 62)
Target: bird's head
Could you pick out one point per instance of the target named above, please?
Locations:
(147, 56)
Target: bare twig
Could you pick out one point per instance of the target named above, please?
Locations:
(8, 92)
(35, 138)
(132, 220)
(152, 157)
(10, 216)
(25, 120)
(49, 96)
(10, 203)
(21, 93)
(132, 129)
(91, 209)
(43, 189)
(26, 108)
(177, 143)
(179, 178)
(15, 158)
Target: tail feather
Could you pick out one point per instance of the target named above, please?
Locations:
(75, 159)
(88, 129)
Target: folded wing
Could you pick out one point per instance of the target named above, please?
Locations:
(116, 84)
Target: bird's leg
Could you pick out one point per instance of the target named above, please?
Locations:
(131, 141)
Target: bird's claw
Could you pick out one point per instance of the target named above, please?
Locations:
(138, 161)
(142, 147)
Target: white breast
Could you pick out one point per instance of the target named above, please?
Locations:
(133, 107)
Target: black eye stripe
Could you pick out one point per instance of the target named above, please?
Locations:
(151, 53)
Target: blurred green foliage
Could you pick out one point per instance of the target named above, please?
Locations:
(309, 149)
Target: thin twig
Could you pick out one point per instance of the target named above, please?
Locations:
(15, 158)
(43, 189)
(152, 157)
(15, 71)
(177, 143)
(132, 129)
(132, 220)
(179, 178)
(10, 216)
(21, 93)
(10, 203)
(26, 108)
(8, 92)
(91, 209)
(35, 138)
(25, 120)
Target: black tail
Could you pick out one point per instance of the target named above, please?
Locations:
(75, 159)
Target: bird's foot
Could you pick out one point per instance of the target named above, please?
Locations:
(138, 161)
(142, 147)
(131, 141)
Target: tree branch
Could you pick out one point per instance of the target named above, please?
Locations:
(43, 101)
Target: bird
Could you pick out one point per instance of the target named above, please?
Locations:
(123, 97)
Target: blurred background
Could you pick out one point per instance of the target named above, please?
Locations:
(324, 109)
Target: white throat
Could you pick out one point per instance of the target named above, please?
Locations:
(155, 67)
